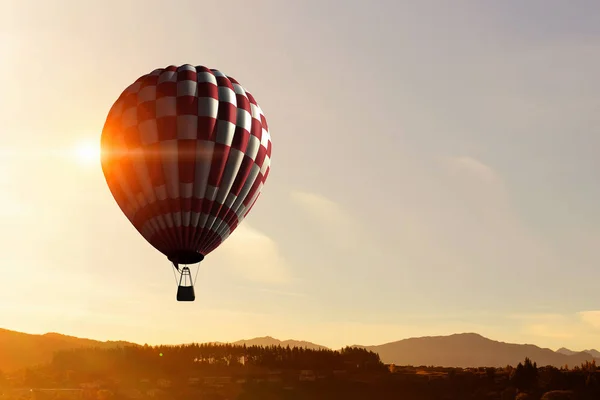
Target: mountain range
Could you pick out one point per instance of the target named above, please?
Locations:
(471, 350)
(19, 350)
(568, 352)
(269, 341)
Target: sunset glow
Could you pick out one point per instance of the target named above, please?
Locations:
(87, 152)
(435, 171)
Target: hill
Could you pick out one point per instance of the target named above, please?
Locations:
(470, 350)
(568, 352)
(269, 341)
(565, 351)
(19, 350)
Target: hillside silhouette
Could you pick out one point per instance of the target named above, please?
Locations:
(239, 372)
(470, 350)
(270, 341)
(19, 350)
(593, 352)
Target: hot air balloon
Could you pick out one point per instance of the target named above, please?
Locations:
(185, 152)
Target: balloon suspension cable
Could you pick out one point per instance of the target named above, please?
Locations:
(174, 273)
(196, 277)
(177, 268)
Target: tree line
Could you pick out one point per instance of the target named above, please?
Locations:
(186, 359)
(143, 367)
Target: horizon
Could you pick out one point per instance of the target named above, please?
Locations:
(302, 341)
(434, 171)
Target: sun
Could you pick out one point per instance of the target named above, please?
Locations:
(87, 152)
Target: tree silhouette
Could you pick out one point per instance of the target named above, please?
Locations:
(524, 377)
(97, 363)
(196, 371)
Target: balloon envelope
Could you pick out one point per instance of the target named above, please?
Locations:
(185, 152)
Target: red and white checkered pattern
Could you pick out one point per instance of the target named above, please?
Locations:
(185, 152)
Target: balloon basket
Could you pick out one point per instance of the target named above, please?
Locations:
(186, 293)
(185, 290)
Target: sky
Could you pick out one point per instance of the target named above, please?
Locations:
(434, 171)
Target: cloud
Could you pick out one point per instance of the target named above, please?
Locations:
(546, 331)
(282, 293)
(473, 167)
(547, 317)
(335, 224)
(479, 201)
(254, 256)
(590, 318)
(479, 183)
(560, 329)
(481, 188)
(321, 207)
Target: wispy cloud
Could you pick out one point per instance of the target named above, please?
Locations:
(591, 318)
(253, 255)
(480, 184)
(482, 200)
(473, 167)
(549, 331)
(539, 317)
(282, 293)
(335, 224)
(327, 210)
(560, 329)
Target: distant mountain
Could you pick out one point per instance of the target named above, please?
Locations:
(269, 341)
(593, 352)
(568, 352)
(19, 350)
(470, 350)
(565, 351)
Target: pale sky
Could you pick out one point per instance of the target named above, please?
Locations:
(434, 171)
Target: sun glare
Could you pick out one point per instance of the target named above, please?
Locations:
(87, 152)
